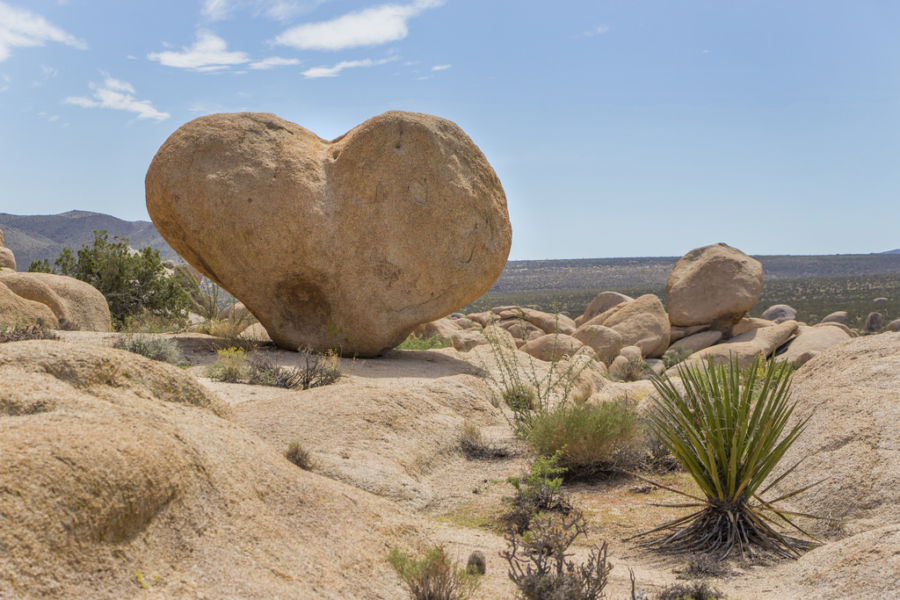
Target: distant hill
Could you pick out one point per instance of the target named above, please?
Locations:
(35, 237)
(894, 251)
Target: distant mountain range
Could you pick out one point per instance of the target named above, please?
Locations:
(35, 237)
(894, 251)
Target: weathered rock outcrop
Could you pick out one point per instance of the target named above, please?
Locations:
(601, 303)
(552, 346)
(7, 259)
(747, 346)
(74, 303)
(714, 284)
(811, 341)
(604, 341)
(346, 244)
(643, 322)
(779, 313)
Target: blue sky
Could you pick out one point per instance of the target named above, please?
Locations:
(618, 128)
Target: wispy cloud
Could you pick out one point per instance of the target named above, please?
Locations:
(369, 27)
(208, 53)
(317, 72)
(118, 95)
(598, 30)
(274, 61)
(23, 28)
(440, 67)
(279, 10)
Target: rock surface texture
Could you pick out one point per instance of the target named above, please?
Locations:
(714, 284)
(346, 244)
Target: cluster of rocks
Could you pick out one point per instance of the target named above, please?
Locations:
(48, 300)
(709, 293)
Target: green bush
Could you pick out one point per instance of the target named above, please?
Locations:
(434, 577)
(539, 567)
(162, 349)
(131, 282)
(230, 366)
(728, 430)
(590, 438)
(537, 491)
(415, 342)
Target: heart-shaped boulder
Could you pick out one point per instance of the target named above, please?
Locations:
(346, 244)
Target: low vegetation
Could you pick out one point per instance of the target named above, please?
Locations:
(434, 576)
(690, 591)
(415, 342)
(539, 564)
(314, 370)
(155, 348)
(298, 455)
(26, 332)
(590, 438)
(133, 283)
(539, 490)
(729, 431)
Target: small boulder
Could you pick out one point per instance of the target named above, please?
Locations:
(74, 303)
(838, 316)
(874, 322)
(627, 365)
(444, 328)
(7, 258)
(714, 284)
(483, 318)
(677, 333)
(696, 342)
(604, 341)
(810, 341)
(601, 303)
(779, 313)
(549, 323)
(552, 346)
(16, 311)
(893, 325)
(521, 329)
(466, 339)
(749, 324)
(881, 300)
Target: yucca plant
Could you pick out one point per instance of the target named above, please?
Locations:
(727, 429)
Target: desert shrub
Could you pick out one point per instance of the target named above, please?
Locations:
(728, 432)
(317, 369)
(415, 342)
(230, 366)
(298, 455)
(434, 577)
(590, 438)
(162, 349)
(525, 392)
(539, 567)
(705, 565)
(268, 372)
(26, 332)
(537, 491)
(474, 446)
(690, 591)
(131, 282)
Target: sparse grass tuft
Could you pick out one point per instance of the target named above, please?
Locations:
(314, 370)
(537, 491)
(474, 446)
(298, 455)
(434, 577)
(230, 366)
(162, 349)
(27, 332)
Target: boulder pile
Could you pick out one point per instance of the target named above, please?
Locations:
(708, 294)
(49, 300)
(347, 244)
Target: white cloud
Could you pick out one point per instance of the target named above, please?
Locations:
(274, 61)
(49, 117)
(23, 28)
(118, 95)
(440, 67)
(208, 53)
(369, 27)
(279, 10)
(598, 30)
(317, 72)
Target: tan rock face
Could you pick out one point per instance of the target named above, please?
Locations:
(643, 322)
(601, 303)
(16, 311)
(698, 341)
(605, 342)
(346, 244)
(811, 341)
(7, 258)
(838, 316)
(714, 284)
(74, 303)
(747, 346)
(549, 323)
(552, 346)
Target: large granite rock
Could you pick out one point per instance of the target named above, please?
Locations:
(346, 244)
(811, 341)
(714, 284)
(601, 303)
(745, 347)
(74, 303)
